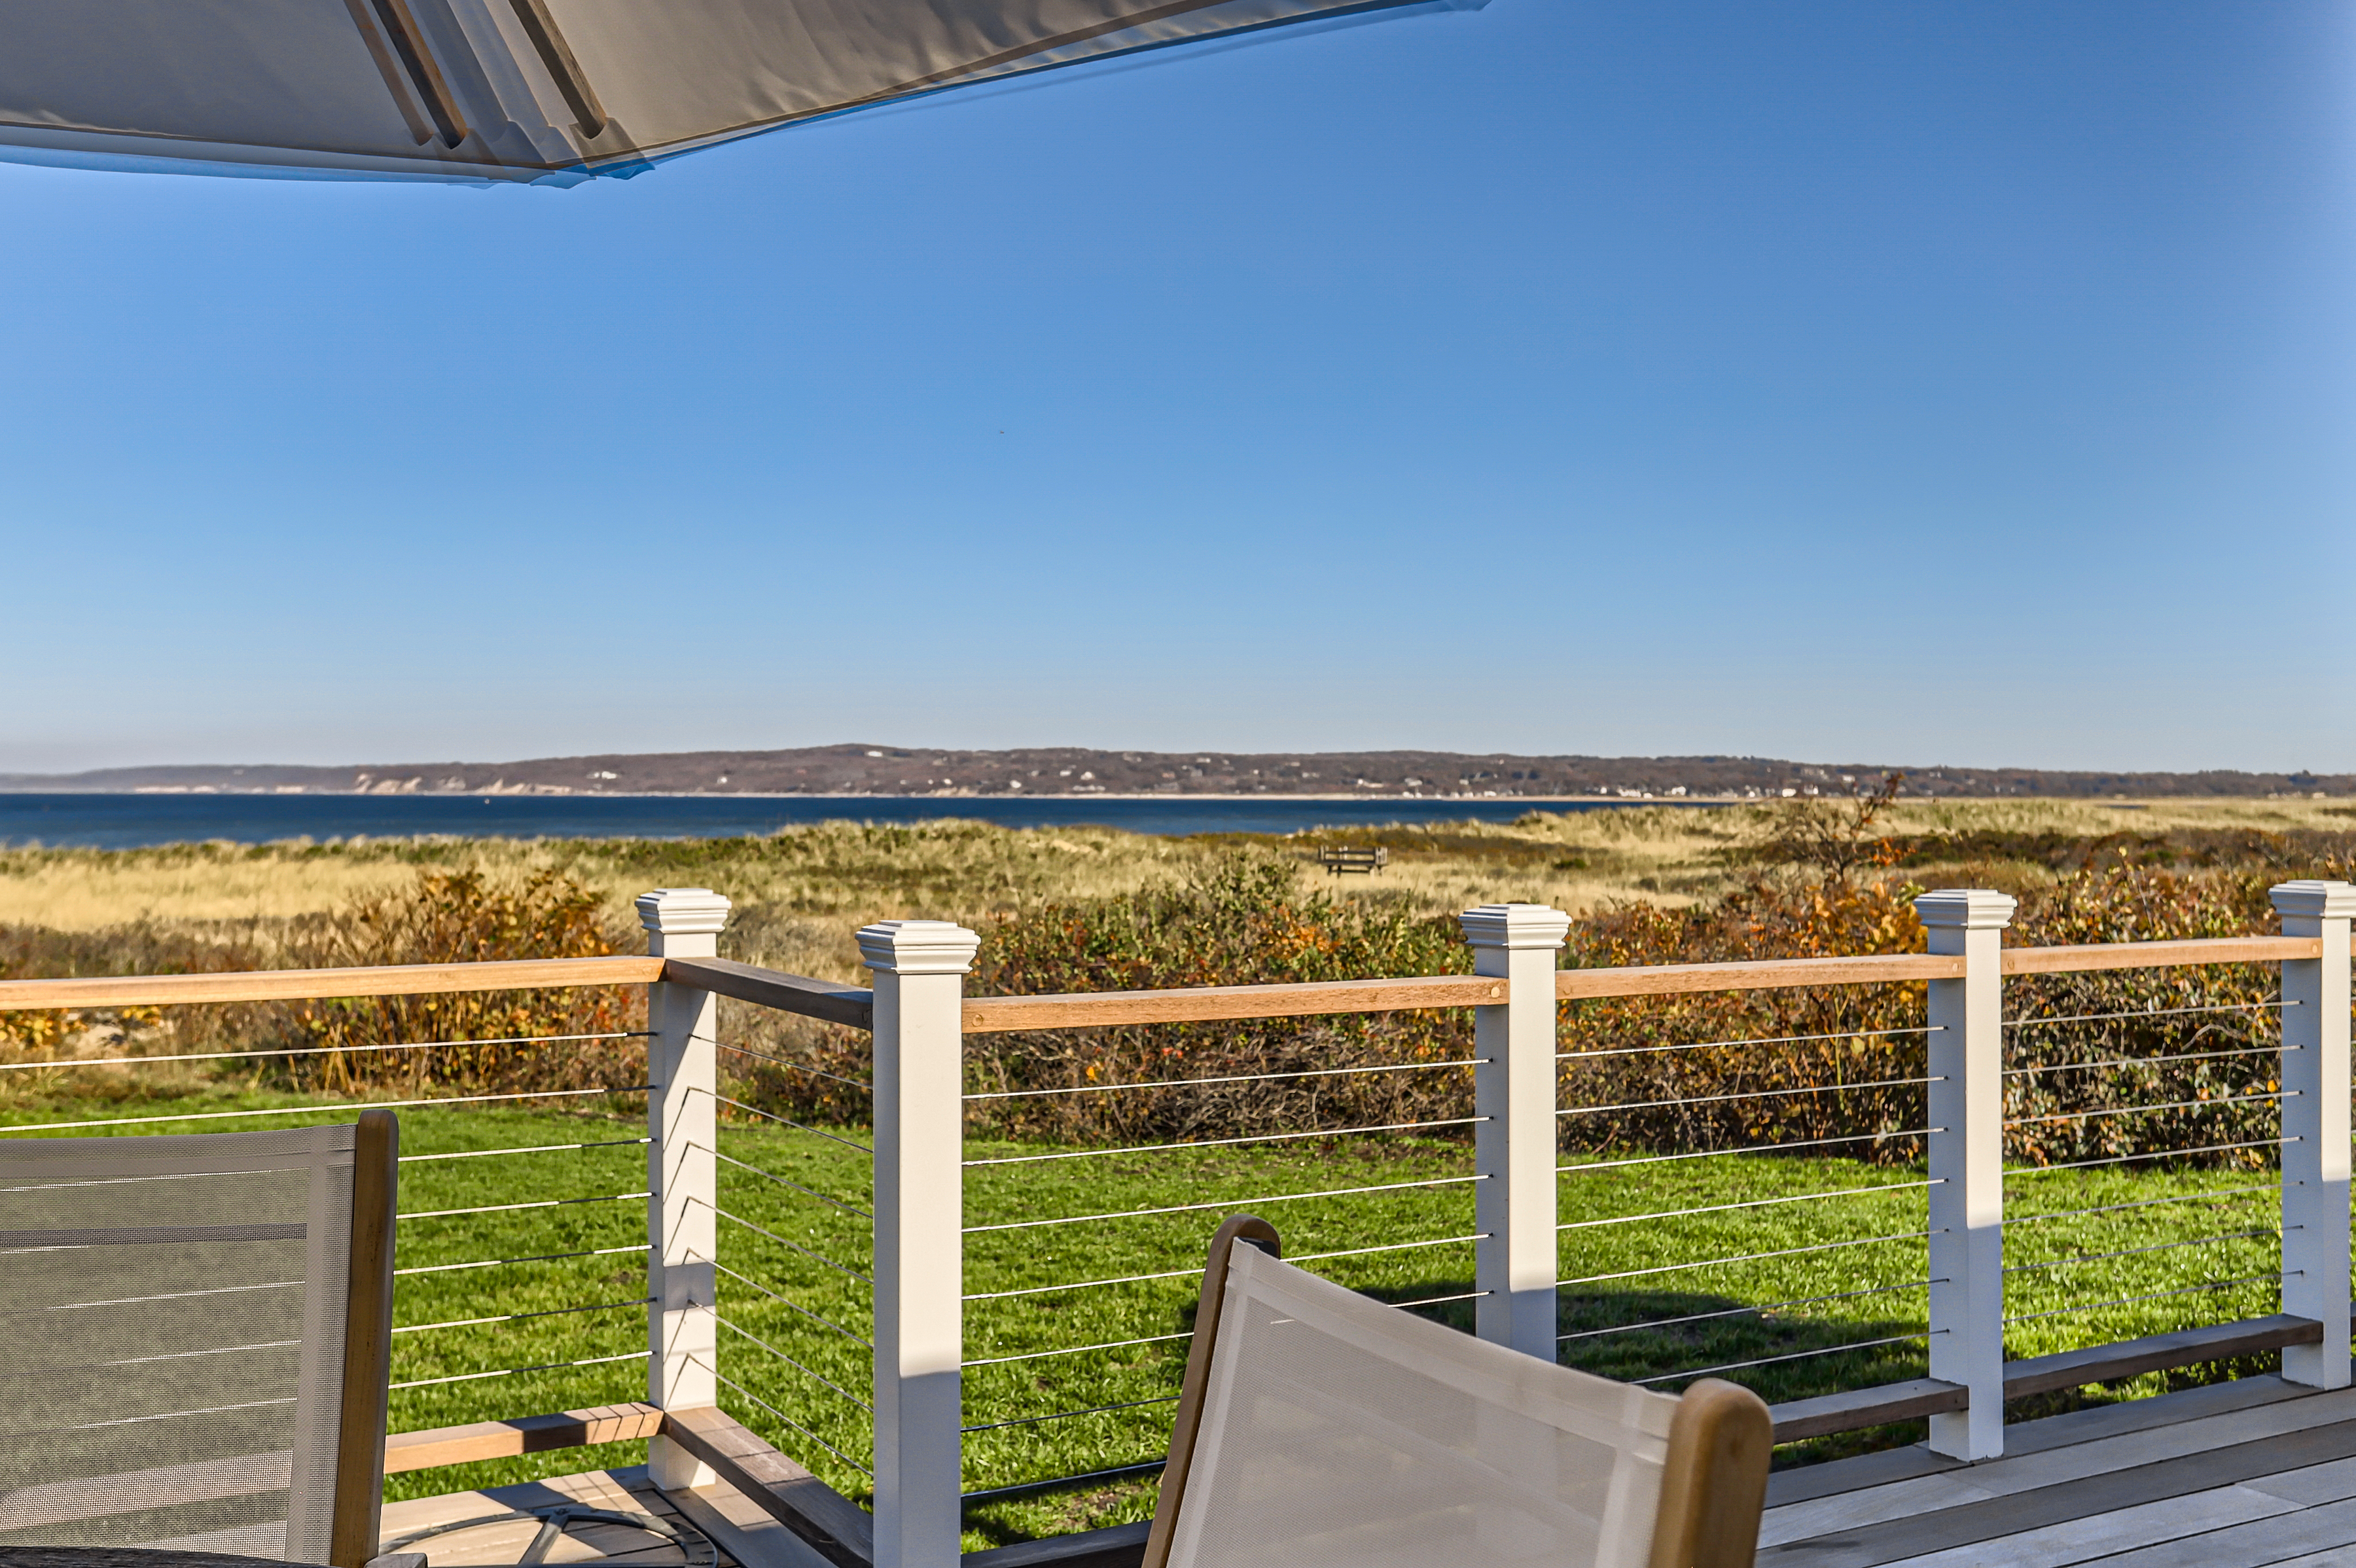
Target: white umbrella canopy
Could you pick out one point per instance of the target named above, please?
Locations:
(535, 91)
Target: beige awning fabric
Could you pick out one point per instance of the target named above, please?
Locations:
(546, 90)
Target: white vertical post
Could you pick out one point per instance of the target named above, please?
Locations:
(919, 1236)
(682, 1337)
(1967, 1072)
(2314, 1128)
(1513, 1146)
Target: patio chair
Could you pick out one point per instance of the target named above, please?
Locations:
(1318, 1428)
(198, 1336)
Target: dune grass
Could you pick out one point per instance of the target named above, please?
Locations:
(795, 1305)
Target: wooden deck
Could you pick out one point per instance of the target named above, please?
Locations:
(2254, 1474)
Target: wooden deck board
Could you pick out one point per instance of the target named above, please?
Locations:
(2250, 1475)
(619, 1491)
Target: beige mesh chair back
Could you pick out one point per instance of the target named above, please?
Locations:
(1321, 1429)
(198, 1333)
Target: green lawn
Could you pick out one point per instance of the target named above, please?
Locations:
(814, 1254)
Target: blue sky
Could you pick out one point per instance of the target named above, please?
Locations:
(1922, 382)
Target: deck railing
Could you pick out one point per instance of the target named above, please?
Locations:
(804, 1325)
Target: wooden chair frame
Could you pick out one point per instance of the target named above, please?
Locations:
(1713, 1484)
(368, 1342)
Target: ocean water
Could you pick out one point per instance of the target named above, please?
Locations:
(129, 822)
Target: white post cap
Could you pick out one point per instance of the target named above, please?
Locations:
(1515, 926)
(2313, 898)
(1973, 909)
(683, 911)
(918, 947)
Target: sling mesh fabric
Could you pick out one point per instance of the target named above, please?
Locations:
(173, 1310)
(1339, 1433)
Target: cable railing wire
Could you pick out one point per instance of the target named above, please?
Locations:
(536, 1258)
(1240, 1078)
(787, 1301)
(1792, 1356)
(772, 1116)
(520, 1317)
(511, 1208)
(791, 1361)
(781, 1415)
(321, 1050)
(1068, 1414)
(785, 1181)
(1227, 1203)
(1224, 1143)
(524, 1149)
(1119, 1472)
(1746, 1257)
(780, 1241)
(2155, 1296)
(2138, 1252)
(1748, 1149)
(1076, 1350)
(519, 1371)
(1751, 1203)
(329, 1109)
(789, 1063)
(1746, 1094)
(2148, 1012)
(1763, 1040)
(2150, 1154)
(2140, 1203)
(2150, 1110)
(1739, 1311)
(2145, 1062)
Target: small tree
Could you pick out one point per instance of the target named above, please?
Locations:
(1833, 834)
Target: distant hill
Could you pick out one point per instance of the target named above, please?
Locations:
(858, 770)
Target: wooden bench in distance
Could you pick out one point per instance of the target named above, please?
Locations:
(1350, 861)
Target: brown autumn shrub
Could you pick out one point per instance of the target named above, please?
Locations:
(489, 1040)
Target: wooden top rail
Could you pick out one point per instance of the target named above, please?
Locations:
(296, 984)
(2159, 955)
(1764, 974)
(998, 1014)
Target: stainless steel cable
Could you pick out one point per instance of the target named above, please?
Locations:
(520, 1317)
(1764, 1040)
(320, 1050)
(1142, 1468)
(795, 1065)
(1436, 1300)
(2132, 1300)
(510, 1207)
(1745, 1258)
(525, 1149)
(2139, 1203)
(2145, 1062)
(345, 1107)
(1794, 1356)
(788, 1302)
(537, 1258)
(1240, 1078)
(2146, 1110)
(2137, 1251)
(781, 1415)
(1739, 1311)
(1074, 1349)
(2152, 1154)
(1387, 1247)
(518, 1371)
(1746, 1149)
(793, 1362)
(1082, 1284)
(2146, 1013)
(1068, 1414)
(785, 1181)
(772, 1116)
(1222, 1143)
(1746, 1094)
(780, 1241)
(1750, 1203)
(1227, 1203)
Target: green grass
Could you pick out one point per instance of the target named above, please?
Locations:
(815, 1253)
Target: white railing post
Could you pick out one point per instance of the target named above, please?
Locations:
(919, 1236)
(2314, 1128)
(1514, 1263)
(682, 1339)
(1966, 1138)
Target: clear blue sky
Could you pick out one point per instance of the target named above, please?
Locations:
(1957, 382)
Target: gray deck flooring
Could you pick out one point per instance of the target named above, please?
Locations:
(2256, 1474)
